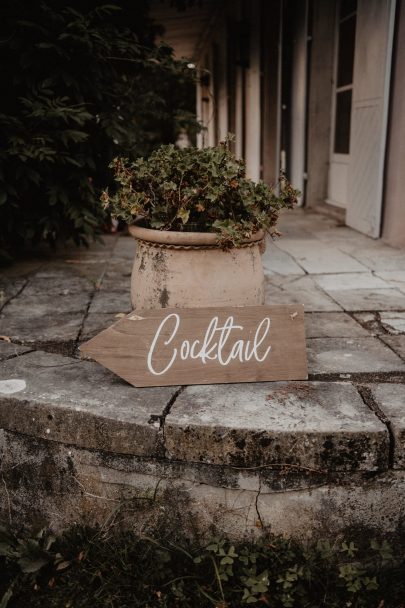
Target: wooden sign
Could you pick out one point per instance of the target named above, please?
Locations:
(204, 345)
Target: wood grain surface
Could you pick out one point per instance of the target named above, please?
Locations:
(204, 345)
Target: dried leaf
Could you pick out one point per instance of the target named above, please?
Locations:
(63, 565)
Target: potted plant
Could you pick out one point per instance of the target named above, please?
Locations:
(199, 225)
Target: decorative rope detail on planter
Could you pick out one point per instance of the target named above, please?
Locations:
(196, 247)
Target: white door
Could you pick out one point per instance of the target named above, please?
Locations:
(342, 103)
(372, 69)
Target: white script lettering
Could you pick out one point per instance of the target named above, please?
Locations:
(212, 346)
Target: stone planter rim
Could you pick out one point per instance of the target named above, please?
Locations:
(167, 237)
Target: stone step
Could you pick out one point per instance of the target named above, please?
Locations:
(79, 445)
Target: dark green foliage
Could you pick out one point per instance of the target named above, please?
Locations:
(81, 83)
(95, 569)
(196, 190)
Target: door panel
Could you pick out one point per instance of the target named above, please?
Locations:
(372, 66)
(338, 182)
(346, 18)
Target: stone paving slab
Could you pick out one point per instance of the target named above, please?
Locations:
(380, 257)
(343, 237)
(390, 398)
(303, 291)
(56, 327)
(395, 277)
(332, 325)
(8, 349)
(351, 356)
(106, 301)
(95, 323)
(125, 248)
(350, 280)
(370, 321)
(314, 425)
(279, 262)
(394, 322)
(9, 288)
(285, 281)
(397, 343)
(369, 299)
(78, 402)
(116, 282)
(58, 283)
(317, 257)
(46, 304)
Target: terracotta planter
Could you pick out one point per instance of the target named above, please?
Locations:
(188, 269)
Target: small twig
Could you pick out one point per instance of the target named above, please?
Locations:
(86, 493)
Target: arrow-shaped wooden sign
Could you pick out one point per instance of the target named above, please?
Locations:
(204, 345)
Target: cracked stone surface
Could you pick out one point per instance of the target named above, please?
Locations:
(369, 299)
(51, 327)
(79, 403)
(318, 425)
(9, 288)
(317, 257)
(96, 322)
(349, 280)
(351, 355)
(8, 349)
(57, 283)
(396, 278)
(302, 291)
(396, 343)
(277, 262)
(332, 325)
(106, 301)
(380, 257)
(370, 321)
(394, 322)
(35, 306)
(391, 400)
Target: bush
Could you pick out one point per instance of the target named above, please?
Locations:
(100, 569)
(81, 83)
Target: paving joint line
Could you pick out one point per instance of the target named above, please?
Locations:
(292, 257)
(394, 377)
(384, 331)
(15, 355)
(92, 294)
(66, 348)
(19, 292)
(259, 517)
(368, 399)
(390, 347)
(161, 418)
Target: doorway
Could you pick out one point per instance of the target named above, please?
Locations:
(342, 100)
